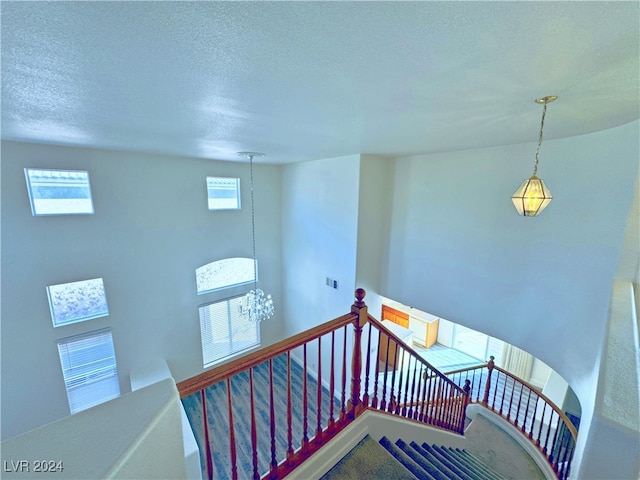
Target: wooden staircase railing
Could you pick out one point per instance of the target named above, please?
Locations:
(386, 375)
(531, 412)
(402, 383)
(399, 381)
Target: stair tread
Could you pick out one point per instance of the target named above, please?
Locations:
(368, 459)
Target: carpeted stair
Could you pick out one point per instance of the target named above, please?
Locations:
(386, 460)
(430, 462)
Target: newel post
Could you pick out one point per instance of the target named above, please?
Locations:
(487, 386)
(360, 308)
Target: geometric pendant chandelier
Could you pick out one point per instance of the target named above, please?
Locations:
(533, 195)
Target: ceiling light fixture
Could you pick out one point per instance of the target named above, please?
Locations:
(255, 306)
(533, 195)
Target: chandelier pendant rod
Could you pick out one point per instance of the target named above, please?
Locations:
(253, 226)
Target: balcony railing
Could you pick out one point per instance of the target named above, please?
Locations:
(299, 393)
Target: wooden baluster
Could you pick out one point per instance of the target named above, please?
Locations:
(479, 383)
(365, 397)
(444, 411)
(417, 398)
(533, 419)
(424, 396)
(401, 368)
(232, 434)
(526, 413)
(272, 420)
(428, 404)
(305, 436)
(254, 430)
(319, 394)
(412, 400)
(546, 443)
(490, 366)
(515, 422)
(392, 400)
(289, 413)
(566, 457)
(343, 410)
(513, 391)
(332, 382)
(383, 404)
(495, 390)
(467, 399)
(544, 409)
(442, 404)
(434, 403)
(359, 308)
(374, 402)
(205, 428)
(556, 438)
(444, 398)
(504, 394)
(450, 404)
(406, 386)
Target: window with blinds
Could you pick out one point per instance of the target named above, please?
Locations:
(224, 331)
(89, 367)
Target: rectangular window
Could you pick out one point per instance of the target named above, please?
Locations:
(224, 331)
(59, 192)
(77, 301)
(223, 193)
(89, 367)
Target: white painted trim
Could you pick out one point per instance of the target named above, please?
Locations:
(506, 427)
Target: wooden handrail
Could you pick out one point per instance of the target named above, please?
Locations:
(561, 414)
(410, 387)
(418, 357)
(211, 377)
(556, 448)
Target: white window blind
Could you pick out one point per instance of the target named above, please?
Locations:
(224, 331)
(89, 367)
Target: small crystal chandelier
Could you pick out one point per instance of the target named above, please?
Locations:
(255, 306)
(533, 195)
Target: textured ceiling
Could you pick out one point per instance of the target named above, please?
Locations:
(309, 80)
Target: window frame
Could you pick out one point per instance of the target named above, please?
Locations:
(33, 201)
(52, 303)
(226, 263)
(208, 358)
(238, 196)
(84, 388)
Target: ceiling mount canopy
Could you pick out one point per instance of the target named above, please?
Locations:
(255, 306)
(533, 195)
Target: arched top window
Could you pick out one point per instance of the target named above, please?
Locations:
(225, 273)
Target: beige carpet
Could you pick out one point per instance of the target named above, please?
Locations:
(497, 449)
(368, 460)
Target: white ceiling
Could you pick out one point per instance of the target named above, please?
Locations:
(309, 80)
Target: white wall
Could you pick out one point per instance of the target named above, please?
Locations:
(150, 231)
(459, 250)
(374, 217)
(136, 436)
(319, 235)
